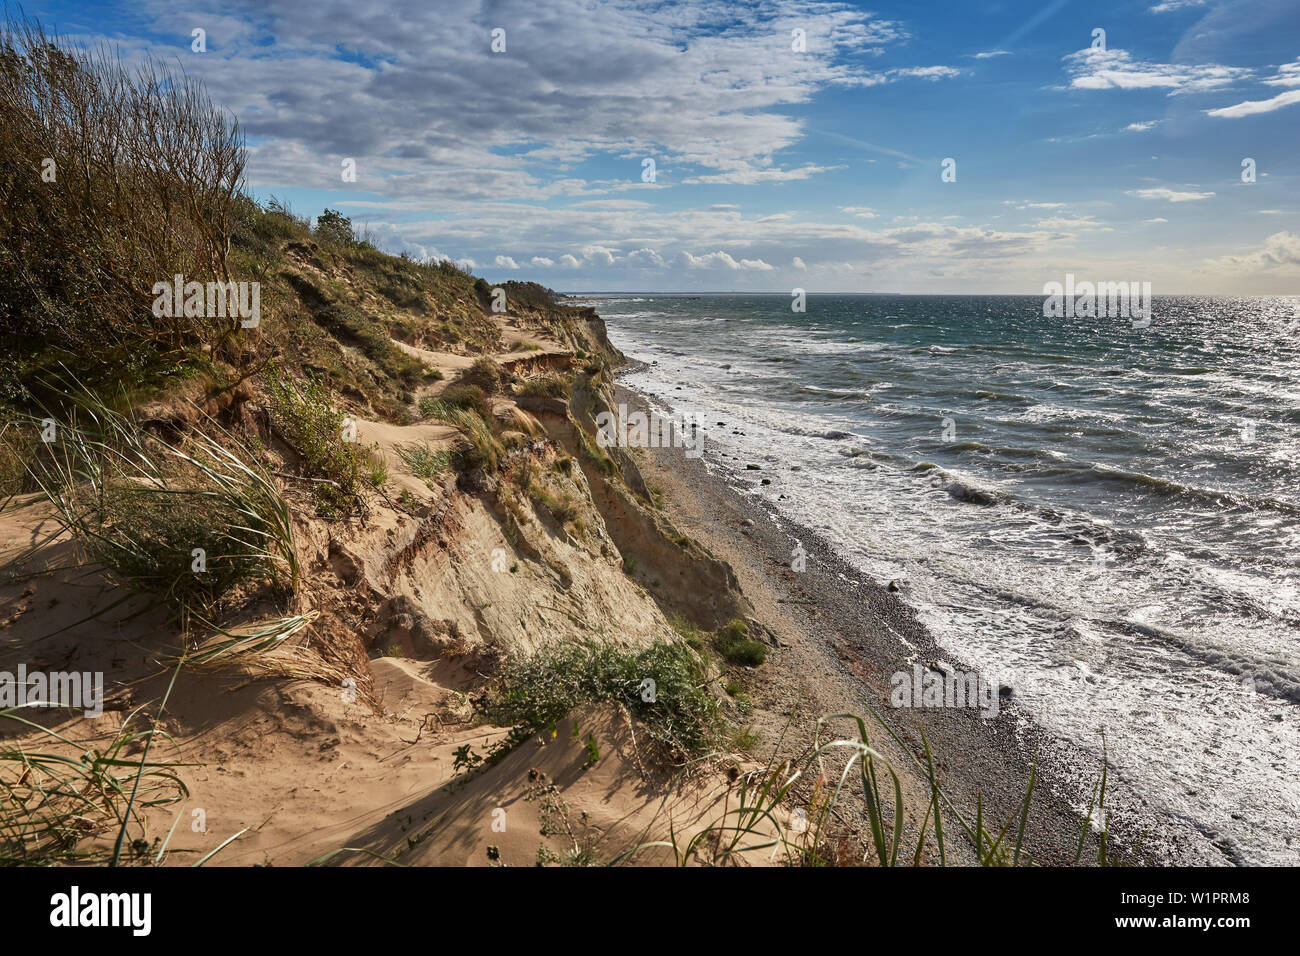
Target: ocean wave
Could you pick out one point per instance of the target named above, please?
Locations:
(1176, 489)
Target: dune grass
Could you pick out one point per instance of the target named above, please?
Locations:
(185, 522)
(424, 461)
(762, 816)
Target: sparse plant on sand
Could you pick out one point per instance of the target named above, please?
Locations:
(424, 461)
(59, 800)
(768, 814)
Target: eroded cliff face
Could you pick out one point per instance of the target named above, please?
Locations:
(357, 728)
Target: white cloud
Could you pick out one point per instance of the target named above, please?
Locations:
(1139, 127)
(927, 72)
(1157, 219)
(1096, 69)
(723, 260)
(798, 264)
(645, 256)
(1280, 250)
(541, 262)
(579, 80)
(987, 54)
(1075, 222)
(599, 255)
(748, 175)
(861, 212)
(1170, 5)
(1252, 107)
(1287, 75)
(505, 262)
(1169, 194)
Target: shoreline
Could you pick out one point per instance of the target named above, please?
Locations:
(837, 635)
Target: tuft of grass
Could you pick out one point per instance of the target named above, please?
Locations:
(463, 397)
(482, 448)
(547, 385)
(59, 802)
(520, 421)
(562, 508)
(764, 795)
(186, 523)
(424, 461)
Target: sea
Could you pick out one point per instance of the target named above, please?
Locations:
(1101, 513)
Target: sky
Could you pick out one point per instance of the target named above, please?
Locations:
(943, 147)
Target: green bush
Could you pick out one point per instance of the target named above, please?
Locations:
(486, 373)
(304, 417)
(734, 644)
(148, 183)
(333, 226)
(538, 692)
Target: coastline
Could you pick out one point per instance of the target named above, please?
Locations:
(837, 635)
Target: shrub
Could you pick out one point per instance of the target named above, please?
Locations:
(538, 692)
(733, 642)
(134, 149)
(333, 226)
(313, 428)
(486, 373)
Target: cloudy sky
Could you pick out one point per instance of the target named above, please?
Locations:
(793, 143)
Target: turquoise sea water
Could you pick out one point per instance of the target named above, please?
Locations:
(1105, 517)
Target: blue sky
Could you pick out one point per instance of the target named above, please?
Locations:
(1116, 158)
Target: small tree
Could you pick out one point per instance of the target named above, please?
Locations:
(333, 226)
